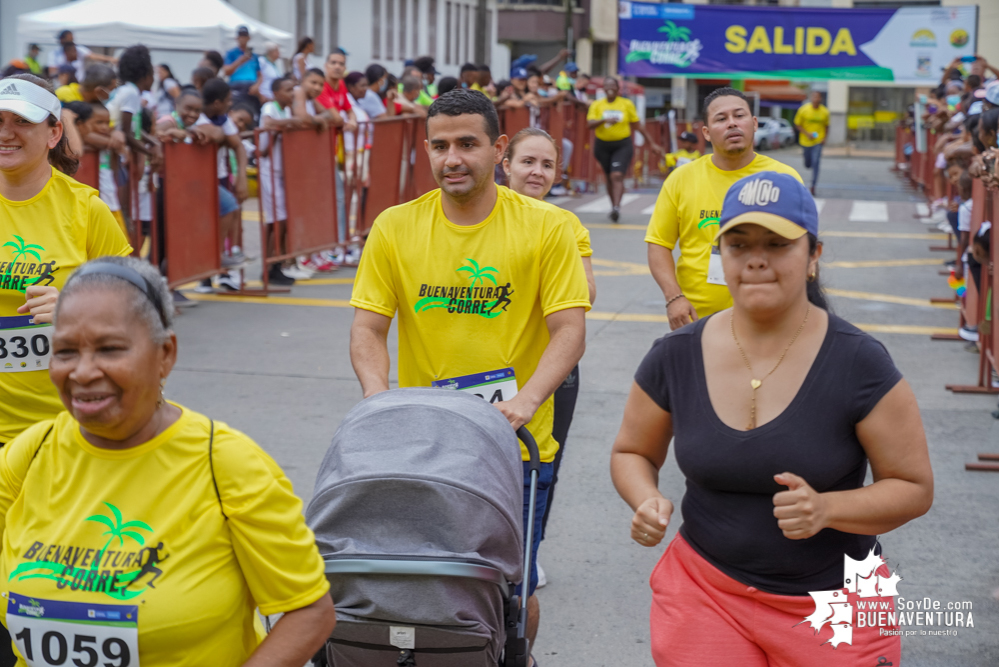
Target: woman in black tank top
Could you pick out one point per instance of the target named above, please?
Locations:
(776, 407)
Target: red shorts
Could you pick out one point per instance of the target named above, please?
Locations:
(701, 616)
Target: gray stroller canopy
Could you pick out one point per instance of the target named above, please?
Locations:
(425, 473)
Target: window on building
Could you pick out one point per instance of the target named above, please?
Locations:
(448, 32)
(601, 58)
(318, 19)
(390, 29)
(414, 46)
(376, 29)
(432, 28)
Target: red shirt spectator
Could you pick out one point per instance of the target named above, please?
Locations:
(334, 97)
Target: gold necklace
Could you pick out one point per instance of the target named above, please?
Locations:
(754, 383)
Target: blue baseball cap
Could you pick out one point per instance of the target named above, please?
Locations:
(571, 68)
(773, 200)
(518, 73)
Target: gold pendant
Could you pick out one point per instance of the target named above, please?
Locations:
(756, 383)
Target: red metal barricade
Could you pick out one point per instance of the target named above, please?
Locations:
(513, 121)
(191, 212)
(390, 163)
(423, 175)
(309, 159)
(88, 172)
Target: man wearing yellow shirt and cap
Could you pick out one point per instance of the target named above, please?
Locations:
(812, 123)
(689, 206)
(487, 285)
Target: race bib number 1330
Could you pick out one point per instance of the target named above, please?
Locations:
(24, 346)
(49, 633)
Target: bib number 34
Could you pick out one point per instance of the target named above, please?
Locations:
(50, 633)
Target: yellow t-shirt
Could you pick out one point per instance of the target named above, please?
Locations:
(813, 121)
(681, 157)
(144, 527)
(43, 239)
(69, 93)
(472, 299)
(618, 116)
(580, 233)
(688, 209)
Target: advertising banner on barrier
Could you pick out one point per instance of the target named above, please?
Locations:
(910, 46)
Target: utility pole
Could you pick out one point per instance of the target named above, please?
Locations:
(481, 38)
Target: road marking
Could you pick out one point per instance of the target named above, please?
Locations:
(905, 329)
(649, 210)
(885, 235)
(890, 298)
(602, 204)
(611, 225)
(819, 205)
(251, 216)
(882, 263)
(620, 268)
(560, 201)
(310, 281)
(869, 211)
(272, 300)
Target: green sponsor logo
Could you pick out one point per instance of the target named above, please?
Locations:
(677, 50)
(484, 296)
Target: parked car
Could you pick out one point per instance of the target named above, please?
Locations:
(774, 133)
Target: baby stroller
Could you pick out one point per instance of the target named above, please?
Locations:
(418, 513)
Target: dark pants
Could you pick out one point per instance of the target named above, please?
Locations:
(565, 406)
(7, 658)
(813, 155)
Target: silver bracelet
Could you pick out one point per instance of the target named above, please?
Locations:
(672, 299)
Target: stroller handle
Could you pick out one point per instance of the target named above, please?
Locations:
(532, 448)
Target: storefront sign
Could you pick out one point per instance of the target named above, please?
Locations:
(910, 46)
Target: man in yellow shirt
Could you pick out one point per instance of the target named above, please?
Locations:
(686, 152)
(487, 285)
(812, 123)
(689, 206)
(613, 119)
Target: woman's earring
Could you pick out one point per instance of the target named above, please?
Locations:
(812, 276)
(162, 397)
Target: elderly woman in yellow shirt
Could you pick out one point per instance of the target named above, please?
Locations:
(613, 120)
(136, 531)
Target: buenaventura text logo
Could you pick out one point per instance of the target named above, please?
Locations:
(678, 49)
(477, 298)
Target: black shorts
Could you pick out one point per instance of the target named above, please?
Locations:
(614, 155)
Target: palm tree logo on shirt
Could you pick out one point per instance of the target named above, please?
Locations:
(118, 530)
(21, 250)
(479, 298)
(478, 274)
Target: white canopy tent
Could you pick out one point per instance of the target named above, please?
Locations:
(165, 25)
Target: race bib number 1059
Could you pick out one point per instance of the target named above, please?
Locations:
(50, 633)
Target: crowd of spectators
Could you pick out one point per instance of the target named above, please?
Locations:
(962, 116)
(126, 108)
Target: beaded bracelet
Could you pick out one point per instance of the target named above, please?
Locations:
(672, 299)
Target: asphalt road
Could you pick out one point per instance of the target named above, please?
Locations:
(280, 372)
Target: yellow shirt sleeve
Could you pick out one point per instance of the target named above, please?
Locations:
(104, 235)
(15, 459)
(563, 280)
(631, 113)
(799, 116)
(276, 551)
(664, 225)
(581, 233)
(373, 284)
(596, 110)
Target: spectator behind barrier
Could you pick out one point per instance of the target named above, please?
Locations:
(126, 448)
(448, 84)
(199, 76)
(214, 61)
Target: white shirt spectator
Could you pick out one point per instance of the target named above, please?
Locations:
(164, 100)
(125, 99)
(372, 104)
(57, 58)
(229, 129)
(269, 71)
(964, 216)
(366, 129)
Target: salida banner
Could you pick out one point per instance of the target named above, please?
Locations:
(909, 46)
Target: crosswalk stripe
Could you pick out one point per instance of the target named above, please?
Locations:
(819, 205)
(602, 204)
(649, 210)
(869, 211)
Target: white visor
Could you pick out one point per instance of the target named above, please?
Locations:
(28, 100)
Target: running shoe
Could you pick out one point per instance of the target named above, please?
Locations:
(296, 273)
(317, 264)
(181, 301)
(337, 256)
(615, 214)
(542, 579)
(205, 287)
(229, 281)
(558, 190)
(233, 261)
(968, 333)
(353, 257)
(275, 276)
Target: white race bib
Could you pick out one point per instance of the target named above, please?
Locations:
(24, 346)
(613, 116)
(492, 386)
(716, 275)
(49, 633)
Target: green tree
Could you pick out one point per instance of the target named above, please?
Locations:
(477, 274)
(118, 530)
(22, 249)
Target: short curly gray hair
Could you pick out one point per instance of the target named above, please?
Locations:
(157, 317)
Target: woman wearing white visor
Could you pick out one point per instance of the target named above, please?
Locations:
(49, 225)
